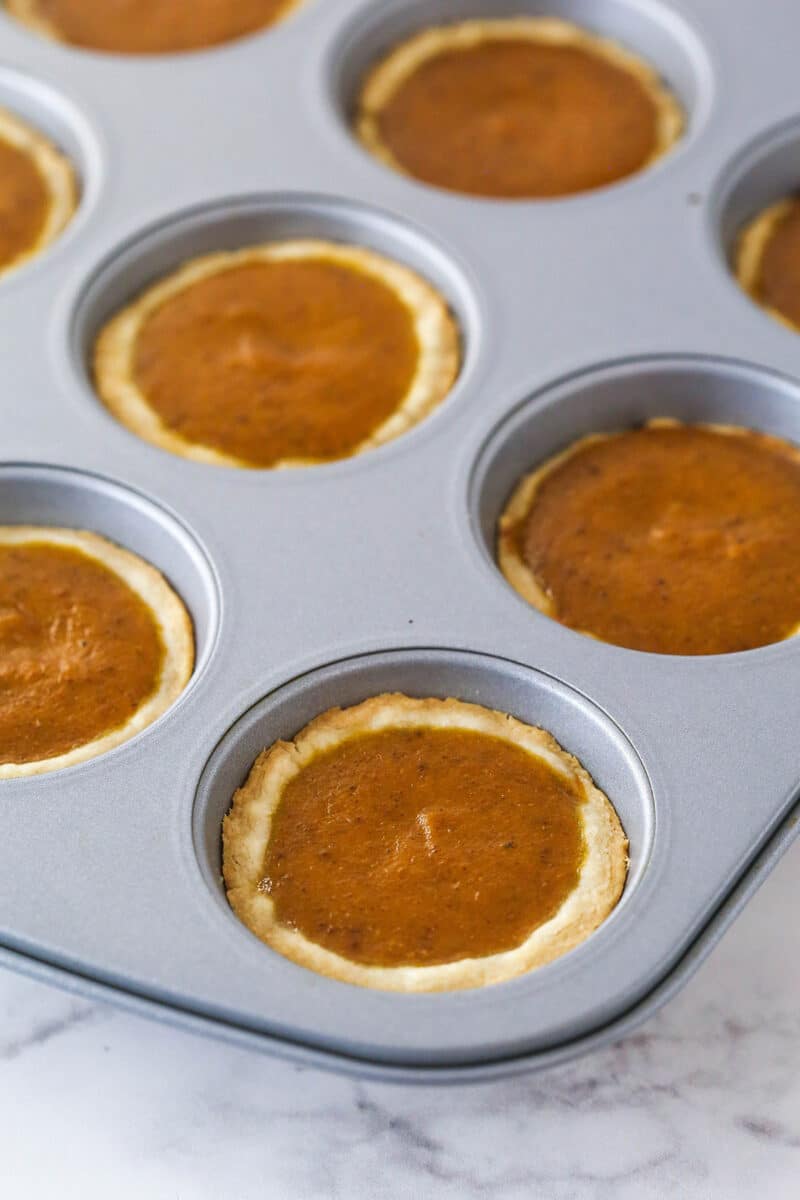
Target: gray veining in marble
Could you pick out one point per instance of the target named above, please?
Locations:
(702, 1104)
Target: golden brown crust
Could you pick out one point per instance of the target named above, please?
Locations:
(509, 557)
(391, 72)
(435, 328)
(169, 613)
(752, 242)
(246, 832)
(58, 175)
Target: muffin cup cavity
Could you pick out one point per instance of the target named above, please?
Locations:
(760, 177)
(766, 171)
(651, 31)
(495, 683)
(620, 396)
(31, 494)
(51, 113)
(236, 224)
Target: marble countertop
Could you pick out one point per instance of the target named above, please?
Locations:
(702, 1102)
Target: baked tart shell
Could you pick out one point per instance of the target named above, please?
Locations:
(59, 179)
(168, 612)
(436, 332)
(384, 80)
(246, 834)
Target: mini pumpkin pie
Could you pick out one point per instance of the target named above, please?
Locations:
(671, 538)
(279, 355)
(516, 108)
(147, 26)
(38, 193)
(94, 646)
(768, 260)
(421, 845)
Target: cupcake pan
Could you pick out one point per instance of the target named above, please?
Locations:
(321, 586)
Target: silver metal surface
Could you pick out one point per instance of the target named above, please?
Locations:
(323, 585)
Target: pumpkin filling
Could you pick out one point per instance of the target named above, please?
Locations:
(24, 203)
(519, 118)
(79, 651)
(150, 26)
(777, 284)
(423, 846)
(670, 538)
(278, 360)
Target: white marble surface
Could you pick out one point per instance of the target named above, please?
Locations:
(703, 1102)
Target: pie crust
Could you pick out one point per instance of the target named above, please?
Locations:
(246, 833)
(392, 72)
(435, 328)
(59, 178)
(509, 559)
(168, 611)
(750, 248)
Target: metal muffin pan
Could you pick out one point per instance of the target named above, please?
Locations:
(323, 585)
